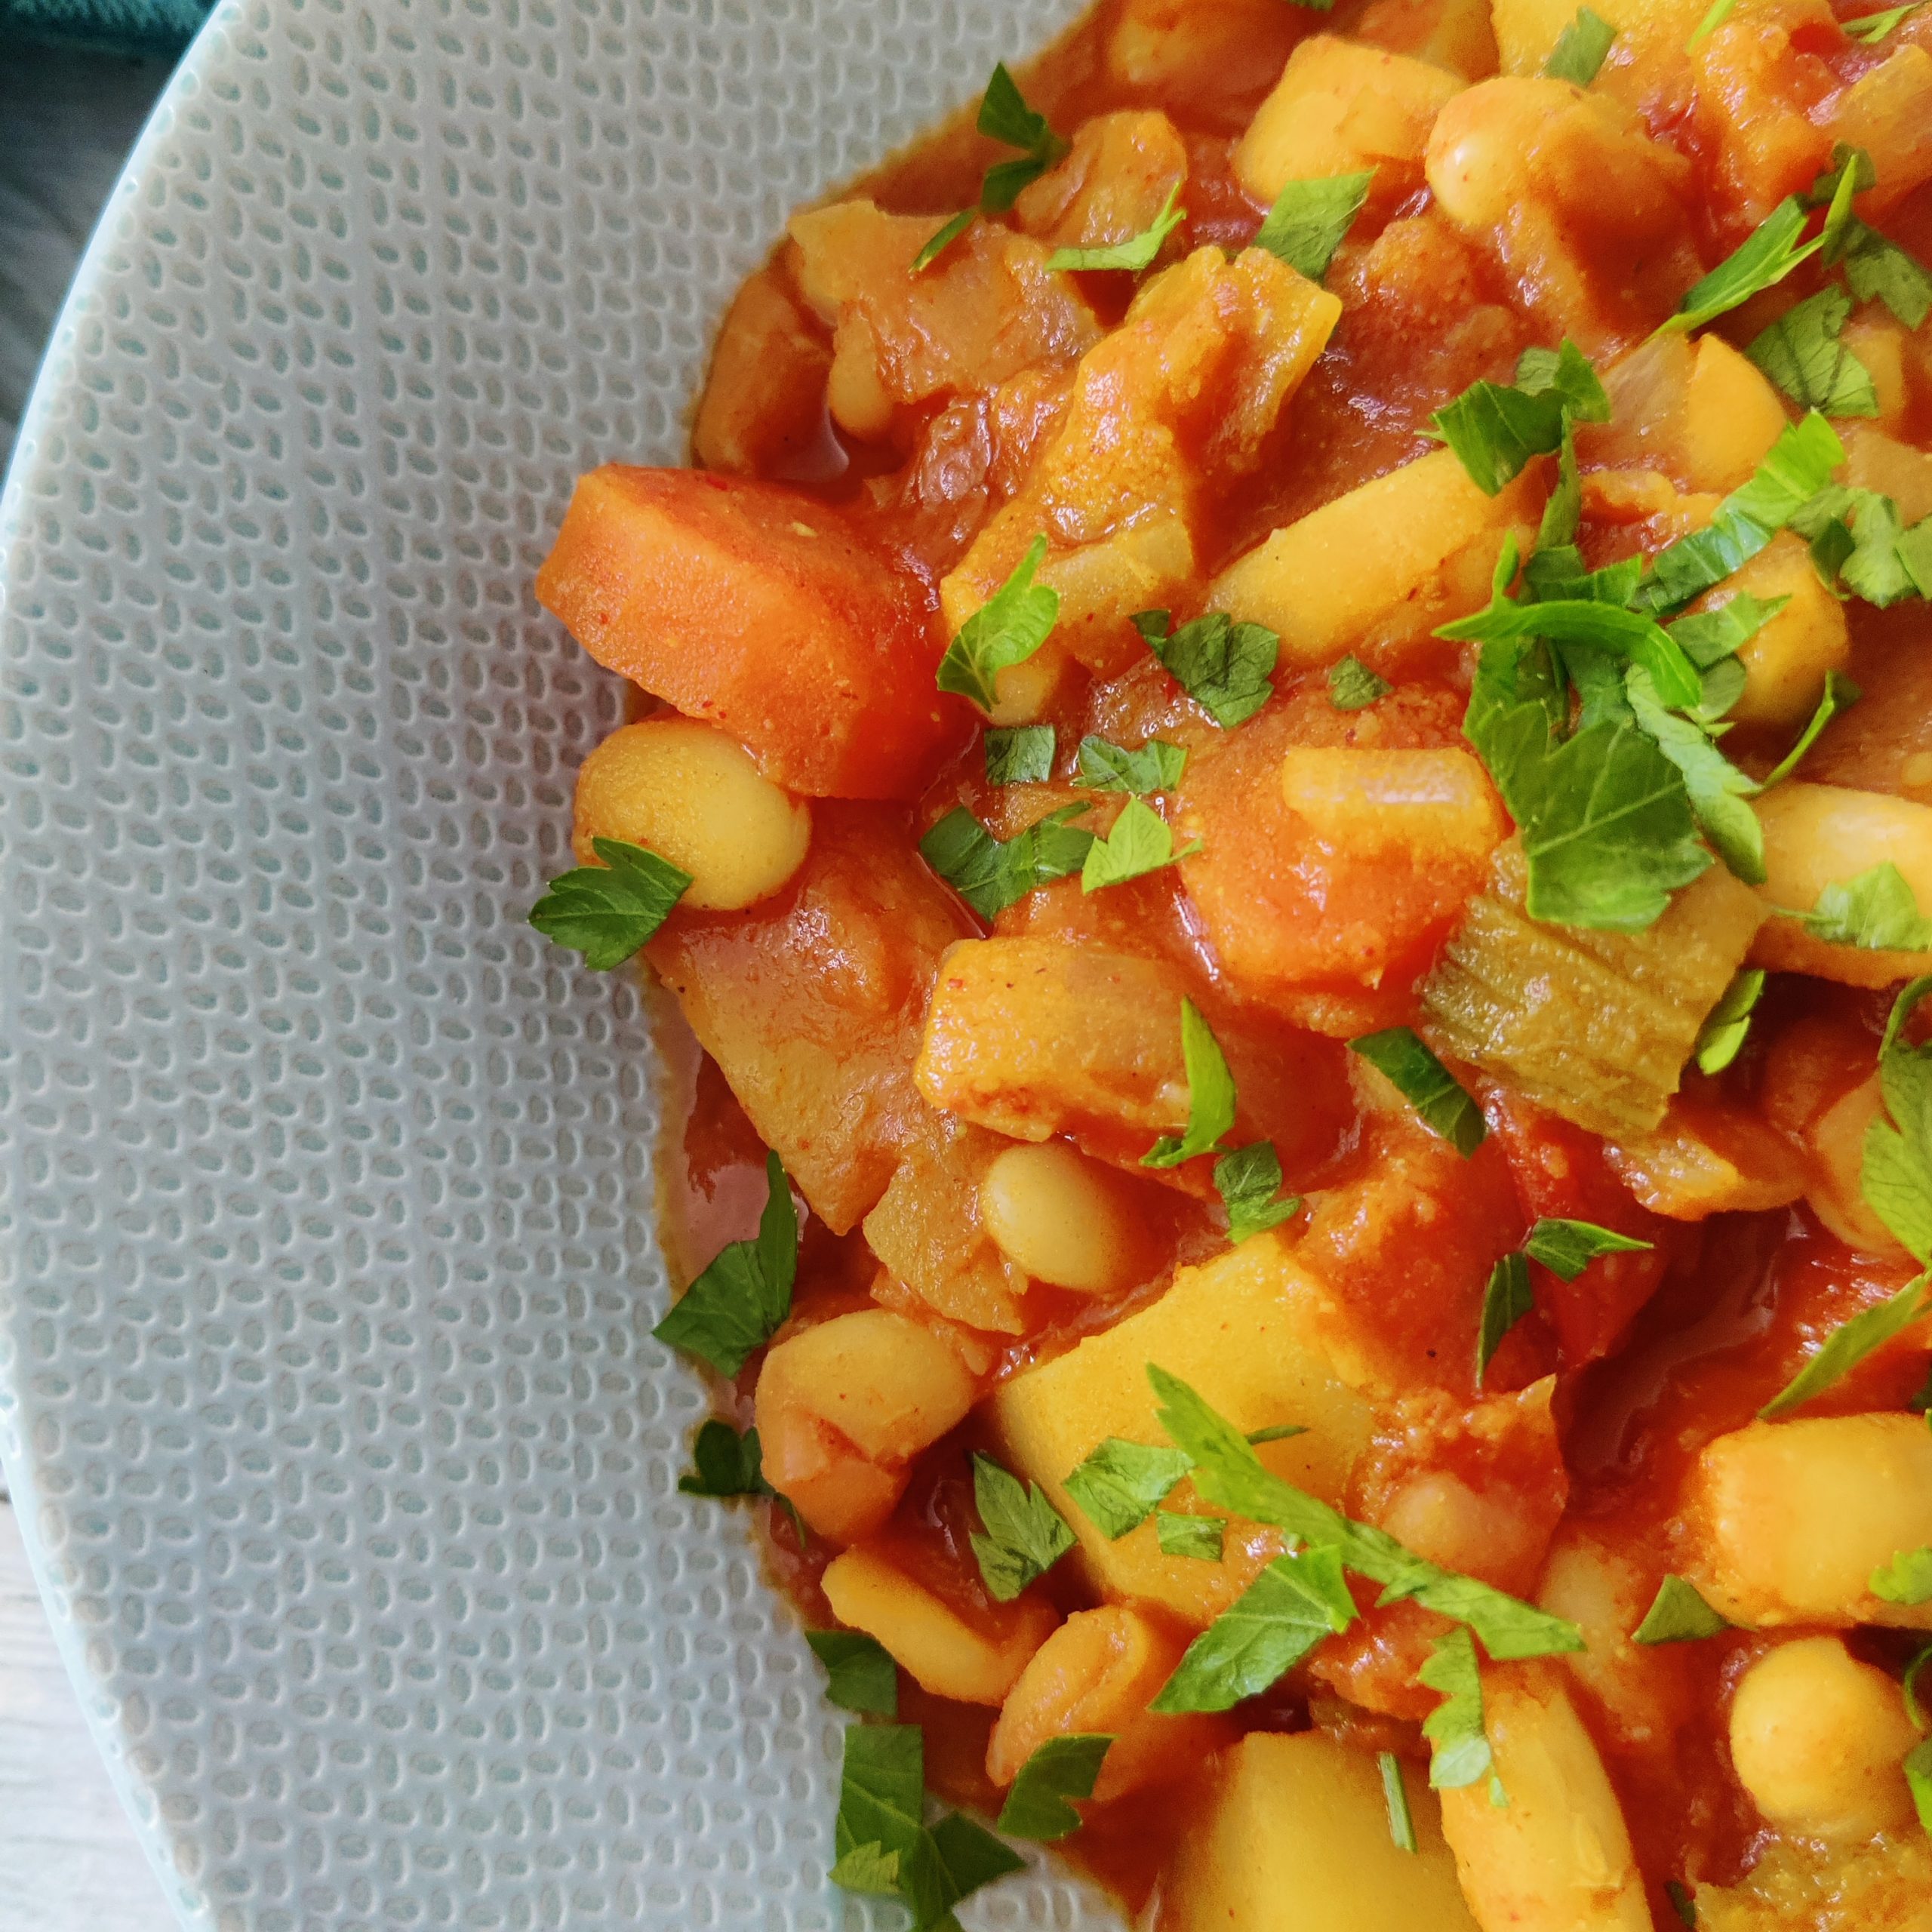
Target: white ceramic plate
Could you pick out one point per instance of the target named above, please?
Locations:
(327, 1268)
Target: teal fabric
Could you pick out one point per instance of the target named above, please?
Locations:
(123, 26)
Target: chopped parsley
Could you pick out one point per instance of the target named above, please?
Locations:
(1802, 353)
(1268, 1628)
(1006, 630)
(1003, 117)
(607, 911)
(1211, 1096)
(1119, 1485)
(1578, 55)
(1224, 666)
(1840, 694)
(1460, 1752)
(942, 238)
(991, 874)
(1495, 430)
(1918, 1781)
(1395, 1796)
(1907, 1579)
(1020, 755)
(862, 1675)
(1505, 1301)
(1025, 1534)
(1200, 1537)
(1858, 539)
(1249, 1181)
(1709, 637)
(1139, 842)
(1063, 1768)
(1849, 1344)
(1679, 1614)
(1870, 28)
(1721, 1038)
(1770, 254)
(1681, 1902)
(724, 1463)
(1352, 686)
(1719, 793)
(1875, 910)
(1134, 255)
(1155, 766)
(737, 1303)
(1718, 13)
(1310, 219)
(1566, 1248)
(1441, 1102)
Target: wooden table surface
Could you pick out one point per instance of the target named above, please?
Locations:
(68, 1859)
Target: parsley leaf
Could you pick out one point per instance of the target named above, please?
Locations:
(1896, 1180)
(1879, 269)
(1202, 1537)
(1005, 117)
(1801, 353)
(992, 874)
(1268, 1628)
(868, 1868)
(863, 1676)
(1229, 1475)
(1119, 1485)
(1762, 262)
(1506, 1300)
(1006, 630)
(1848, 1345)
(1907, 1579)
(1139, 842)
(1352, 686)
(1223, 665)
(1309, 219)
(1707, 638)
(1211, 1096)
(1155, 766)
(1566, 1248)
(1248, 1180)
(1719, 793)
(736, 1304)
(1718, 12)
(1134, 255)
(1840, 695)
(1681, 1902)
(1395, 1796)
(1025, 1535)
(1020, 755)
(1439, 1099)
(724, 1463)
(1918, 1780)
(607, 911)
(1678, 1615)
(1870, 28)
(1495, 430)
(1579, 52)
(1858, 535)
(1875, 911)
(1460, 1753)
(1066, 1767)
(1721, 1038)
(936, 244)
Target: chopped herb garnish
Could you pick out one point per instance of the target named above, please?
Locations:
(1275, 1623)
(1907, 1579)
(1460, 1749)
(863, 1676)
(1280, 1431)
(1578, 55)
(1119, 1485)
(1708, 637)
(607, 911)
(1025, 1534)
(1020, 755)
(1505, 1302)
(1876, 910)
(1849, 1344)
(1223, 665)
(738, 1302)
(1802, 353)
(1918, 1781)
(1879, 270)
(1566, 1248)
(936, 244)
(1006, 630)
(1229, 1475)
(1719, 12)
(1721, 1038)
(992, 874)
(1003, 117)
(724, 1463)
(1211, 1096)
(1352, 686)
(1857, 536)
(1309, 219)
(1155, 766)
(1873, 27)
(1201, 1537)
(1495, 430)
(1134, 255)
(1840, 695)
(1395, 1796)
(1681, 1902)
(1063, 1768)
(1761, 262)
(1914, 1709)
(1139, 841)
(1678, 1615)
(1248, 1181)
(1439, 1099)
(1720, 794)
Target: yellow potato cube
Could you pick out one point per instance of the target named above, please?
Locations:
(1392, 558)
(1427, 804)
(1881, 345)
(1732, 416)
(1785, 664)
(1299, 1838)
(1251, 1330)
(1876, 461)
(1888, 113)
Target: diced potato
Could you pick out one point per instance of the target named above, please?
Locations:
(1097, 1675)
(1454, 34)
(1888, 113)
(763, 410)
(1885, 1886)
(1882, 347)
(1758, 84)
(1819, 1740)
(843, 1406)
(1207, 52)
(1391, 559)
(1596, 1026)
(1732, 416)
(1785, 664)
(1300, 1837)
(1062, 1219)
(1787, 1521)
(693, 796)
(1528, 30)
(1558, 1854)
(1112, 185)
(1816, 835)
(811, 1004)
(1708, 1159)
(1437, 805)
(1885, 743)
(927, 1230)
(1341, 108)
(973, 1654)
(1899, 470)
(755, 608)
(1250, 1331)
(1639, 1688)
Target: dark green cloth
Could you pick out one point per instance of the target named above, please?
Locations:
(122, 26)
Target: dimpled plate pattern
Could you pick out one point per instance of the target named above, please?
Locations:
(326, 1266)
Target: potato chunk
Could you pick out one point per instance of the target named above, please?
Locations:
(1786, 664)
(1340, 108)
(763, 410)
(1888, 113)
(755, 608)
(1112, 185)
(1787, 1521)
(1250, 1331)
(1299, 1836)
